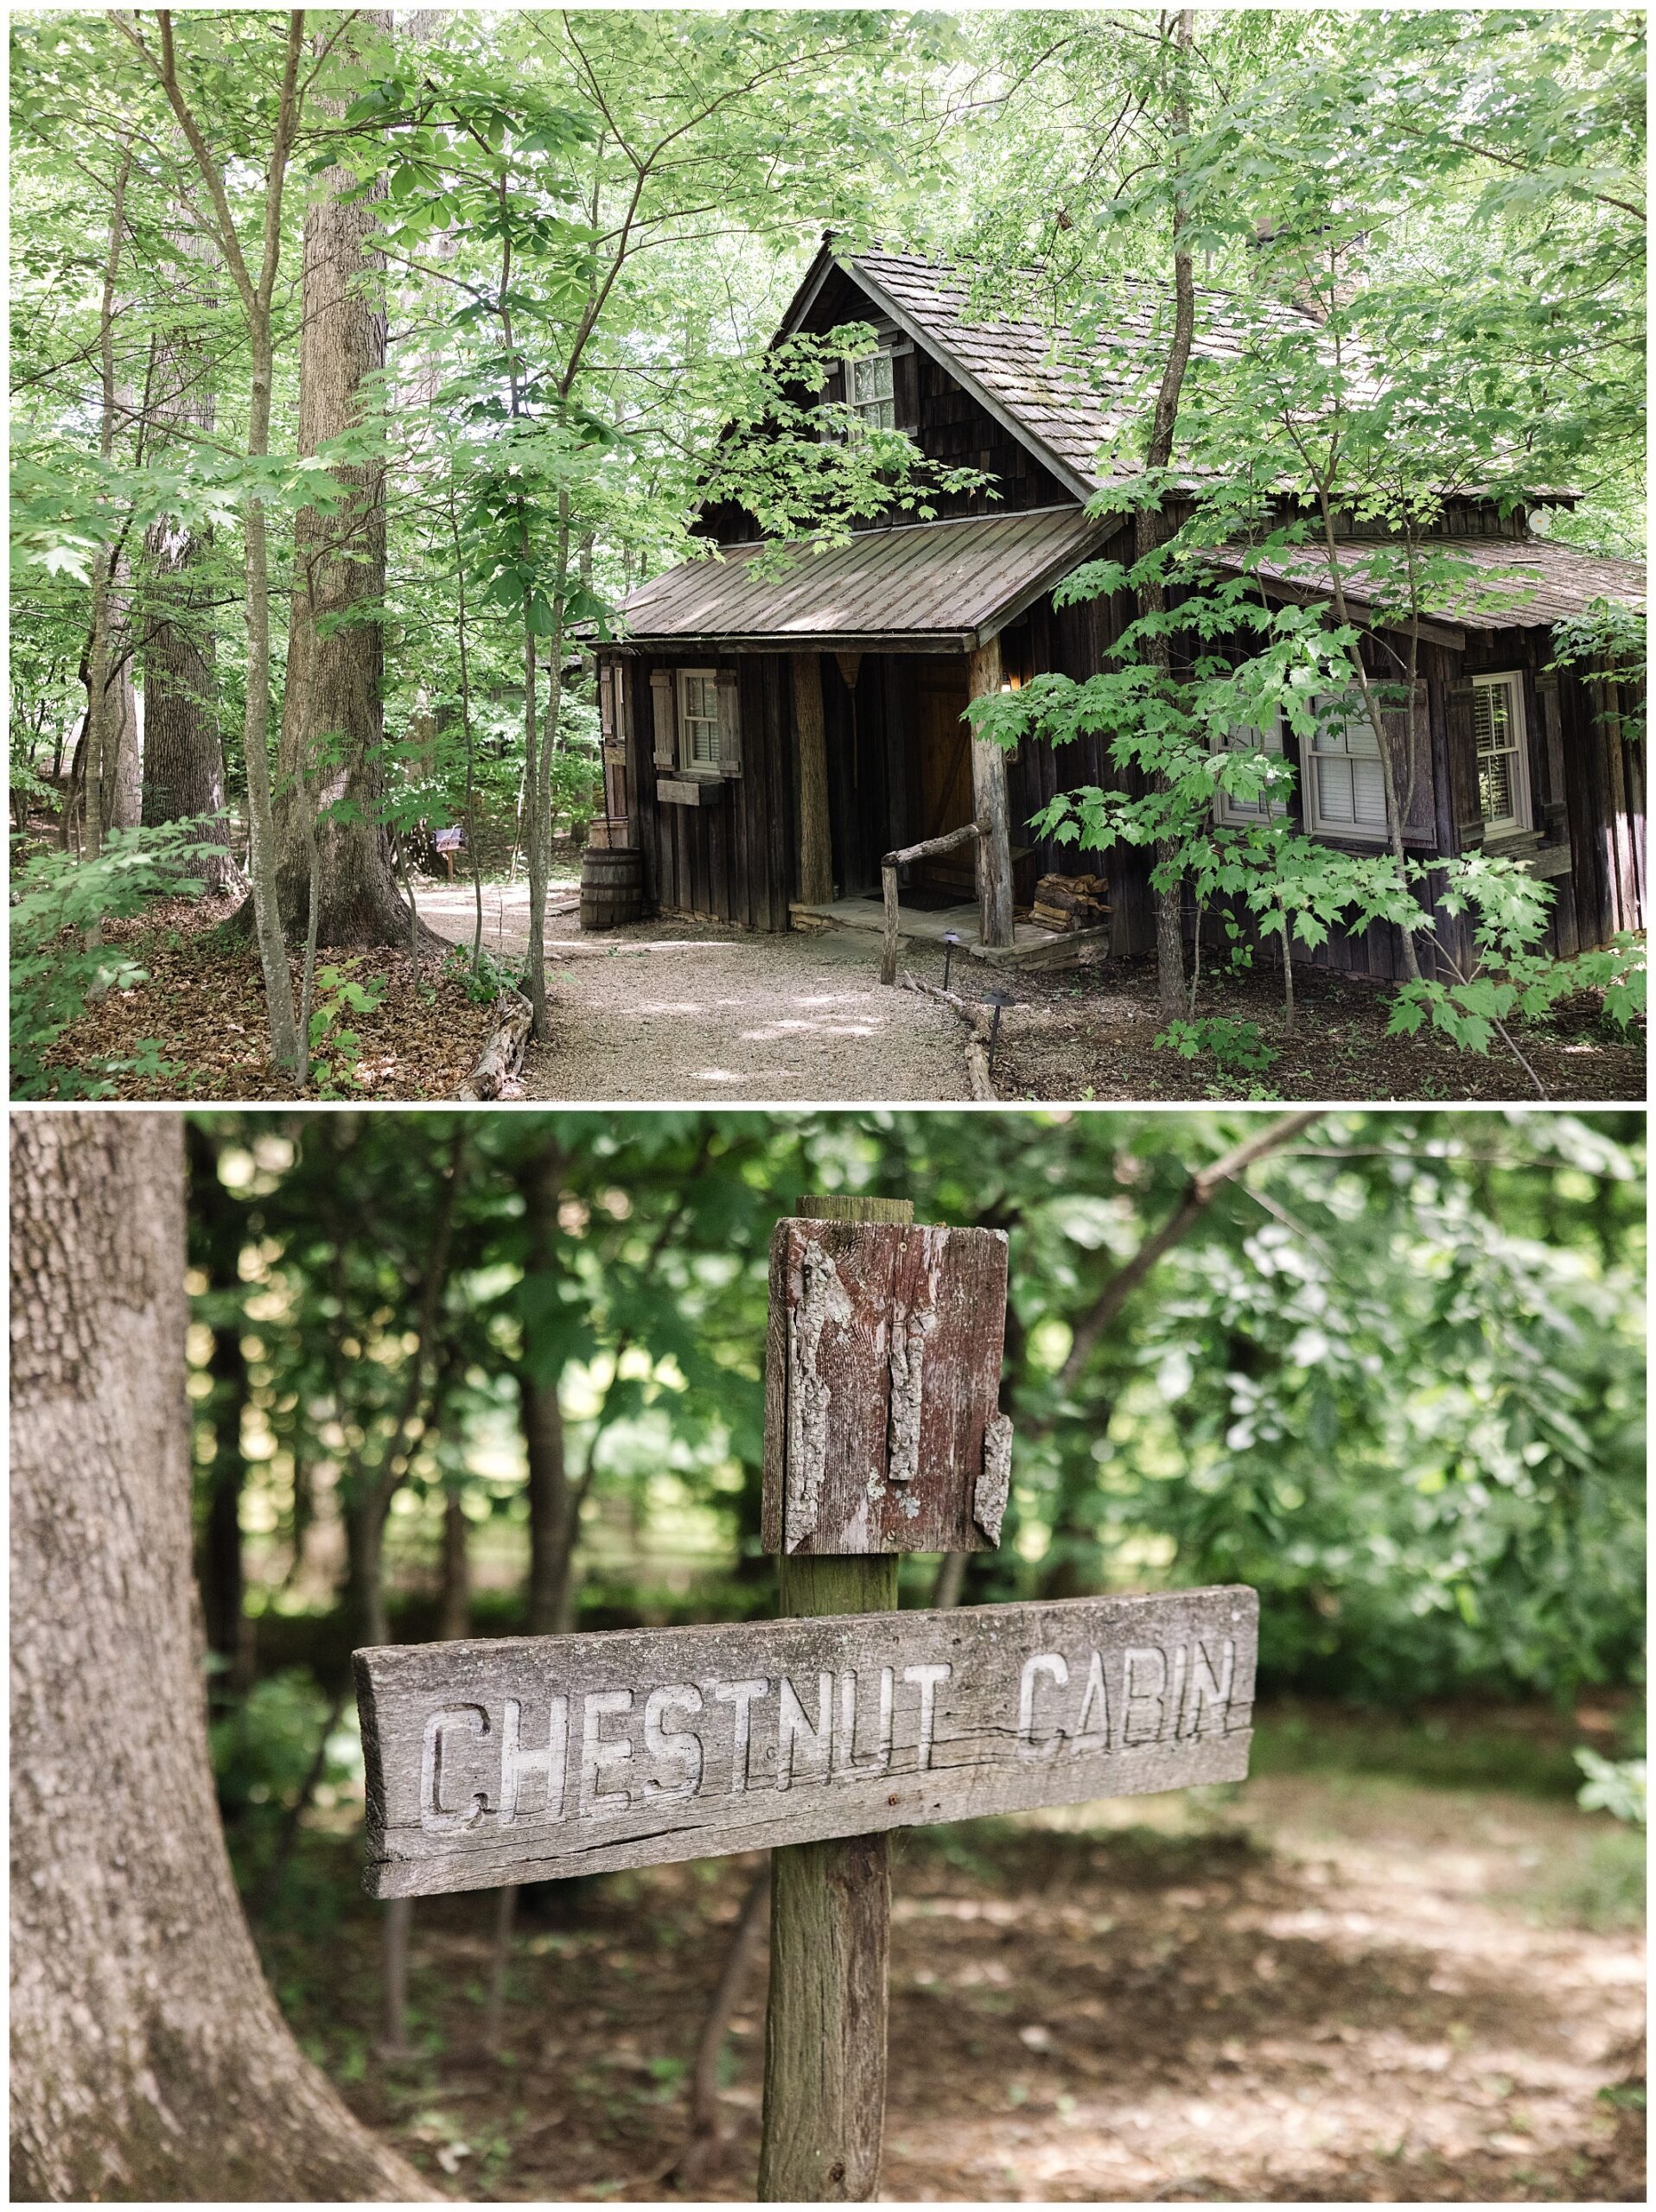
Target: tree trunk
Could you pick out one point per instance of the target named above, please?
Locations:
(456, 1618)
(331, 751)
(552, 1496)
(183, 752)
(1148, 533)
(123, 757)
(552, 1501)
(99, 760)
(148, 2058)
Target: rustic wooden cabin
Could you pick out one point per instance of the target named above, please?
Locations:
(770, 736)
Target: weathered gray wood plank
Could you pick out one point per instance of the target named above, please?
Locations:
(527, 1758)
(882, 1383)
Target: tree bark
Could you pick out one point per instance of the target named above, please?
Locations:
(183, 752)
(148, 2058)
(330, 756)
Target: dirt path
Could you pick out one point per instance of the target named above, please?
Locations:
(673, 1011)
(1316, 1988)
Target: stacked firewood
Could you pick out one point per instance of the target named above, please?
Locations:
(1071, 902)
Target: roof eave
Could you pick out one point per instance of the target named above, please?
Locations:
(824, 641)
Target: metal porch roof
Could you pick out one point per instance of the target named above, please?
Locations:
(936, 587)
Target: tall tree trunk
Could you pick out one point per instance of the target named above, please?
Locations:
(100, 734)
(148, 2058)
(255, 294)
(551, 1495)
(1148, 530)
(123, 740)
(456, 1611)
(218, 1232)
(332, 745)
(183, 752)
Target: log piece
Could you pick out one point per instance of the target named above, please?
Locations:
(983, 1086)
(502, 1055)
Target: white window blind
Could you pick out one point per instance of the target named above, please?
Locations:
(698, 718)
(1347, 785)
(1498, 728)
(1242, 739)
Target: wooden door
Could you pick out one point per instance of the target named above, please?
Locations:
(944, 745)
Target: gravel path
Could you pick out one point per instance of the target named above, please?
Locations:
(665, 1010)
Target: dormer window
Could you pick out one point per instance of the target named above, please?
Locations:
(870, 391)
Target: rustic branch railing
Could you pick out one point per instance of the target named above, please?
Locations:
(888, 867)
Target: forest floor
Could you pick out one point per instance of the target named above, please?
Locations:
(195, 1027)
(1343, 1981)
(669, 1010)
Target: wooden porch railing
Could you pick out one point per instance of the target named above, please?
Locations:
(968, 834)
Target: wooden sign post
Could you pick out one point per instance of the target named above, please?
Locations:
(522, 1758)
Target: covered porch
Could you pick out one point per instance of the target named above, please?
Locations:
(867, 653)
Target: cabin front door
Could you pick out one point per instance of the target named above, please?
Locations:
(946, 798)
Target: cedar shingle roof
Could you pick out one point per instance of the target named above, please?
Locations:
(1065, 395)
(1519, 585)
(941, 586)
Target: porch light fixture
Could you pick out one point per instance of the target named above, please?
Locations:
(951, 938)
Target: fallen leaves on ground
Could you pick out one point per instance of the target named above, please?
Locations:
(1089, 1033)
(196, 1027)
(1318, 1987)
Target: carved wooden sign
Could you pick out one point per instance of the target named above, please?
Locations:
(882, 1378)
(521, 1758)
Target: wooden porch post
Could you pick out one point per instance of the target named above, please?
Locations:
(816, 855)
(989, 798)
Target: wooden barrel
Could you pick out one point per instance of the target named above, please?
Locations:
(612, 887)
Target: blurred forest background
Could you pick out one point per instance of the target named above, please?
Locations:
(476, 1374)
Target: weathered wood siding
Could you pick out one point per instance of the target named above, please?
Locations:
(731, 861)
(735, 860)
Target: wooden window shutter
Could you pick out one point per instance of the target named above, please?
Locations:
(1409, 739)
(1464, 803)
(666, 720)
(729, 722)
(607, 702)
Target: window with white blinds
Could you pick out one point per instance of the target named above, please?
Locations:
(1242, 739)
(698, 718)
(1346, 789)
(1503, 766)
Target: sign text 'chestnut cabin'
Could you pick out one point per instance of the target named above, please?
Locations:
(812, 1736)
